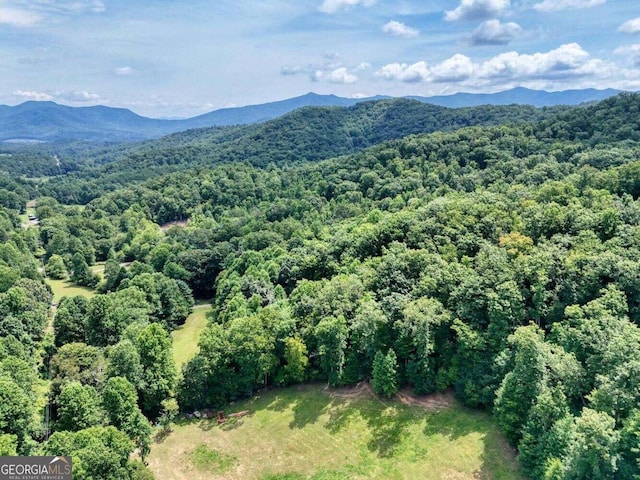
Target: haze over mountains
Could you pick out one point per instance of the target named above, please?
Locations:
(48, 121)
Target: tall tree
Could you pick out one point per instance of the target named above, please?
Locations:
(593, 453)
(384, 379)
(99, 453)
(78, 407)
(120, 402)
(331, 336)
(80, 272)
(16, 411)
(522, 385)
(158, 369)
(69, 323)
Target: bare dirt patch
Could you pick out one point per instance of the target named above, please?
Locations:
(178, 223)
(431, 402)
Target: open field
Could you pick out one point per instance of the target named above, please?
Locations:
(185, 338)
(98, 268)
(311, 433)
(65, 288)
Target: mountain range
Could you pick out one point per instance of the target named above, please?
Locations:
(49, 121)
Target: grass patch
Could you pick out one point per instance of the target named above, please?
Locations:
(65, 288)
(98, 268)
(24, 218)
(304, 433)
(204, 458)
(185, 338)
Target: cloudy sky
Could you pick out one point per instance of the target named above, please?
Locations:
(169, 58)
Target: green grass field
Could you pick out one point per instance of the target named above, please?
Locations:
(308, 433)
(98, 268)
(65, 288)
(185, 338)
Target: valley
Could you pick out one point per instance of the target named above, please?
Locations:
(385, 290)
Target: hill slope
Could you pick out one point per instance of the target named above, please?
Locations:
(48, 121)
(307, 134)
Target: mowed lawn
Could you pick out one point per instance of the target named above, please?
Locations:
(185, 338)
(66, 288)
(308, 433)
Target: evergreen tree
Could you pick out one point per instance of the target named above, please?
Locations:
(384, 380)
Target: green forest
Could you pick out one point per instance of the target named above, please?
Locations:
(490, 251)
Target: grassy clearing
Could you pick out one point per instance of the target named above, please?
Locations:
(65, 288)
(98, 268)
(185, 338)
(24, 218)
(305, 433)
(208, 460)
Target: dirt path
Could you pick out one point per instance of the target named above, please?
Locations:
(178, 223)
(431, 402)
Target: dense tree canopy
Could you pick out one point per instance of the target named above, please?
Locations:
(498, 261)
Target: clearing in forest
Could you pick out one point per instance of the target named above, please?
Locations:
(185, 337)
(66, 288)
(314, 433)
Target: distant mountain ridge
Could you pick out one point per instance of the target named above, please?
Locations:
(521, 96)
(49, 121)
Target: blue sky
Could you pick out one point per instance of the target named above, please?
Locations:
(185, 57)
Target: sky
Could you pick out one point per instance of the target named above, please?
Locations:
(182, 58)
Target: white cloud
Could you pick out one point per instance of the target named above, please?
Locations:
(26, 13)
(631, 51)
(630, 26)
(455, 69)
(359, 95)
(334, 6)
(79, 96)
(18, 18)
(32, 95)
(555, 5)
(417, 72)
(627, 49)
(493, 32)
(477, 10)
(332, 71)
(124, 71)
(399, 29)
(339, 75)
(566, 61)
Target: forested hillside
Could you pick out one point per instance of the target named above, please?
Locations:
(46, 121)
(308, 134)
(497, 261)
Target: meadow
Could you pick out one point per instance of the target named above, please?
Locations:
(185, 337)
(311, 432)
